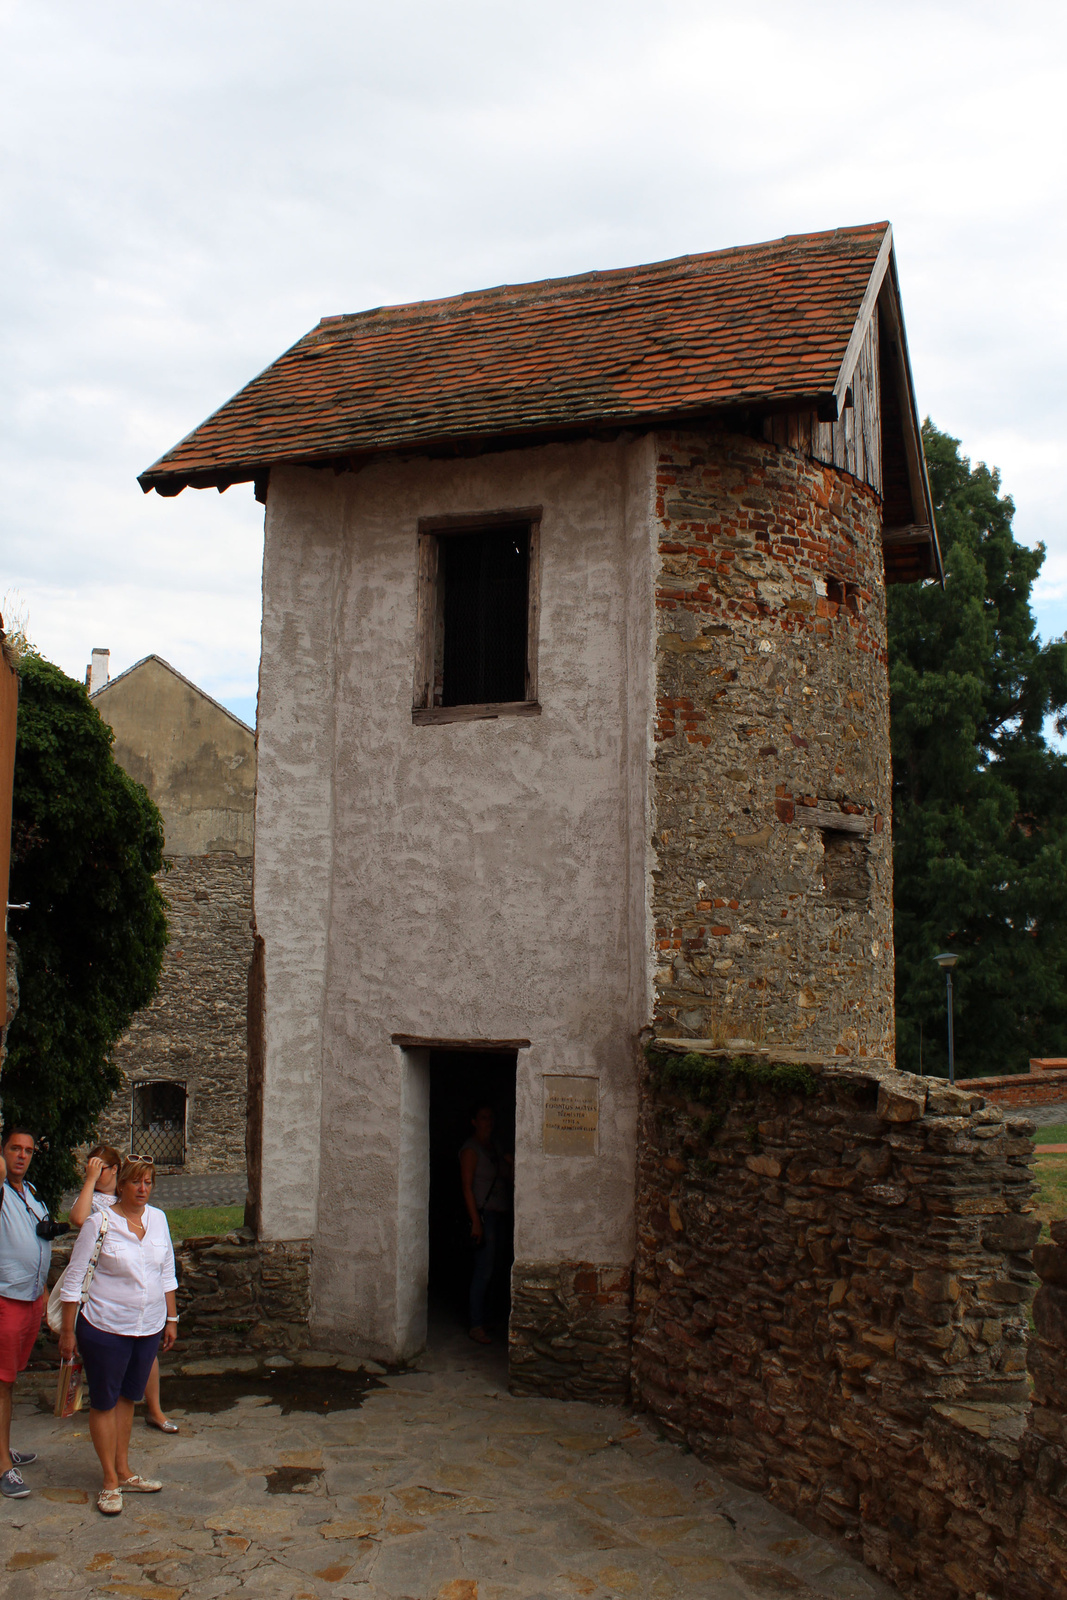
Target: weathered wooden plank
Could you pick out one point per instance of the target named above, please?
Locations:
(866, 311)
(911, 533)
(423, 715)
(422, 695)
(415, 1041)
(835, 821)
(533, 608)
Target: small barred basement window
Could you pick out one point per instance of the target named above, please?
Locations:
(477, 619)
(157, 1123)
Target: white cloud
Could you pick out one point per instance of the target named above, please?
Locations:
(191, 185)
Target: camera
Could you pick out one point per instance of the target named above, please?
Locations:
(47, 1229)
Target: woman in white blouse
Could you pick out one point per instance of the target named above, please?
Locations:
(128, 1315)
(98, 1194)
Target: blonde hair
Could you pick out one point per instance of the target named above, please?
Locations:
(132, 1170)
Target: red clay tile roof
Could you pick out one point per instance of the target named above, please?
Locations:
(763, 325)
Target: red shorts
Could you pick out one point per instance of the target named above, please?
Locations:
(20, 1323)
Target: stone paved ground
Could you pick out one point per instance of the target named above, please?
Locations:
(441, 1486)
(181, 1190)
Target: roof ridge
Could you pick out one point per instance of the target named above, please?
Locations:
(154, 656)
(669, 265)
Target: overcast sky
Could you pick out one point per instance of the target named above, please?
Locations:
(189, 186)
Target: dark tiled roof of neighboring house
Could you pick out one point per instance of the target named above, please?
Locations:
(765, 326)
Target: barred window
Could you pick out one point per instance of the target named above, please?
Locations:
(157, 1123)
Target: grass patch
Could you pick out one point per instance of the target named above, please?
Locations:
(1057, 1134)
(1050, 1201)
(186, 1224)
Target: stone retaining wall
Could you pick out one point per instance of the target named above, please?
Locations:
(234, 1294)
(569, 1334)
(830, 1305)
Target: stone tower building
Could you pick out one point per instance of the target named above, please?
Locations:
(184, 1058)
(573, 722)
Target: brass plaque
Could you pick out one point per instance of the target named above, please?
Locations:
(572, 1112)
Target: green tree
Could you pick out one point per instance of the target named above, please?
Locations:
(86, 842)
(979, 797)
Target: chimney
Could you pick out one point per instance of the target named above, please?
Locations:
(97, 675)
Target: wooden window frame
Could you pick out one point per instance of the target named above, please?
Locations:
(431, 531)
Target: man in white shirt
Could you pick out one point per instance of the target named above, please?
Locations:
(25, 1256)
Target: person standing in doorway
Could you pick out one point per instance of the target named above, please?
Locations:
(486, 1176)
(98, 1194)
(25, 1256)
(129, 1314)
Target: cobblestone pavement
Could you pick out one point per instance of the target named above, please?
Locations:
(441, 1486)
(180, 1190)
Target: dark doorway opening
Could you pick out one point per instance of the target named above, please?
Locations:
(460, 1082)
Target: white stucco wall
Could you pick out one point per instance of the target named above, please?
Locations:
(461, 880)
(302, 562)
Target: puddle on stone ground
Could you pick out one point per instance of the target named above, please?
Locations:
(294, 1480)
(315, 1389)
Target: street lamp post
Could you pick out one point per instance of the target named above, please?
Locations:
(946, 961)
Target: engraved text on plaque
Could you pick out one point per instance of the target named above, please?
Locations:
(572, 1109)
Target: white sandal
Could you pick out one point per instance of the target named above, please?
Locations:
(137, 1485)
(109, 1501)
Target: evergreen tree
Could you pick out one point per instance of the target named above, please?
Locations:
(979, 797)
(86, 843)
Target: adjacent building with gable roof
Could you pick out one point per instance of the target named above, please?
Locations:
(184, 1057)
(574, 723)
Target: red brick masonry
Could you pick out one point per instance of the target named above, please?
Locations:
(1043, 1088)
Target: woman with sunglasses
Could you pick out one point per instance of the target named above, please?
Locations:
(98, 1194)
(128, 1314)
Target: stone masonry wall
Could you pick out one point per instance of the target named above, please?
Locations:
(772, 884)
(830, 1305)
(234, 1294)
(194, 1030)
(569, 1333)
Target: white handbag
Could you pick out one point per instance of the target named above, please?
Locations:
(54, 1313)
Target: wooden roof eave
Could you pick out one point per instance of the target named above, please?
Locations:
(922, 500)
(171, 483)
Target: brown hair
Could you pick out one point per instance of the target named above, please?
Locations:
(131, 1170)
(107, 1154)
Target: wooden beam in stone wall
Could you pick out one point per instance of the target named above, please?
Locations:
(413, 1041)
(835, 821)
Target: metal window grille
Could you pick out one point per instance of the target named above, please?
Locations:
(486, 603)
(157, 1129)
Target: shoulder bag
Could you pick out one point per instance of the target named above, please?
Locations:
(54, 1313)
